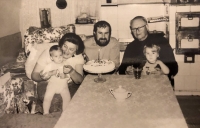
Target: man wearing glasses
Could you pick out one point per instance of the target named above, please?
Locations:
(133, 55)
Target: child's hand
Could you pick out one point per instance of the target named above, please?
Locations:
(63, 76)
(129, 70)
(57, 73)
(44, 76)
(67, 69)
(53, 72)
(156, 72)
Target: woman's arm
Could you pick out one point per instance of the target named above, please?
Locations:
(42, 63)
(76, 74)
(35, 75)
(38, 73)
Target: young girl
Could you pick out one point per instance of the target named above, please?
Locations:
(153, 65)
(58, 82)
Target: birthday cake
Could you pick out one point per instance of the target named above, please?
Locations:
(99, 66)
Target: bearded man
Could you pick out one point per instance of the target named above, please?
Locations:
(102, 45)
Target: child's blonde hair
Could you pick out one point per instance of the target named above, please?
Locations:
(151, 46)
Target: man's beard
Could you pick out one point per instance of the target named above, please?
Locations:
(102, 41)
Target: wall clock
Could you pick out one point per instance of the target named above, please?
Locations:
(61, 4)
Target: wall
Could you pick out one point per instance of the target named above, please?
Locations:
(119, 17)
(188, 78)
(29, 13)
(110, 14)
(9, 13)
(10, 36)
(9, 48)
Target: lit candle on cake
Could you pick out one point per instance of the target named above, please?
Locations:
(99, 54)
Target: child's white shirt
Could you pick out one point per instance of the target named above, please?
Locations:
(151, 69)
(54, 66)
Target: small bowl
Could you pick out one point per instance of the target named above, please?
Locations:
(120, 94)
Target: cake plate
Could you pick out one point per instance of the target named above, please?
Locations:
(100, 79)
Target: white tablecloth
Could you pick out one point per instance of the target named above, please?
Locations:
(152, 105)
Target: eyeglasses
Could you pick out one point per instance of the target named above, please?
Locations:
(137, 29)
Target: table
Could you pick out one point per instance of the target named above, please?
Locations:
(153, 104)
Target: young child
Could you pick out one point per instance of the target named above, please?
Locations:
(153, 65)
(58, 82)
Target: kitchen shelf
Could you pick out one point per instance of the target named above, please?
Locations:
(184, 4)
(188, 29)
(187, 51)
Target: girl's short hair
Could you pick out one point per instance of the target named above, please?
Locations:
(150, 45)
(75, 39)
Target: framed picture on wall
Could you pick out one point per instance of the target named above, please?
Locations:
(45, 17)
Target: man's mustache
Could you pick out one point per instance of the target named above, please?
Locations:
(102, 39)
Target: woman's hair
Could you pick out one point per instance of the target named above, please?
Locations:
(101, 24)
(150, 45)
(75, 39)
(54, 48)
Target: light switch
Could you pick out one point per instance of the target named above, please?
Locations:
(189, 58)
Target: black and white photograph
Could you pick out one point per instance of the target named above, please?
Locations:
(100, 64)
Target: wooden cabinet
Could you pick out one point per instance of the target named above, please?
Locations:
(188, 33)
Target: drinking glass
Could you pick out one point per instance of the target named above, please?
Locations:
(137, 72)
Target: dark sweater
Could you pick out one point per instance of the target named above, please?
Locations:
(134, 54)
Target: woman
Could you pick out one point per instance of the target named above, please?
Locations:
(72, 47)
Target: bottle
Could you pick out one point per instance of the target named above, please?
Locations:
(16, 110)
(33, 107)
